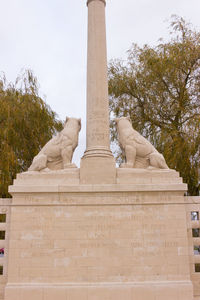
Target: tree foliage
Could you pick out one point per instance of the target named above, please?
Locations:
(26, 124)
(159, 88)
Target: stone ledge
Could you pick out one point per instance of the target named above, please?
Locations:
(61, 177)
(147, 176)
(175, 290)
(85, 284)
(97, 188)
(128, 180)
(195, 200)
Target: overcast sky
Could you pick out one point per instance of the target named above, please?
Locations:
(50, 38)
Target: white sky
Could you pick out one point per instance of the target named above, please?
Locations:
(50, 37)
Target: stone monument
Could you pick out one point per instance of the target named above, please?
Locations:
(99, 232)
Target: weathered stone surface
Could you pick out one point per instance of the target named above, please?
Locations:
(140, 153)
(97, 164)
(99, 233)
(72, 290)
(102, 241)
(127, 180)
(57, 153)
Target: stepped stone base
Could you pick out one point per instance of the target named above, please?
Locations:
(70, 241)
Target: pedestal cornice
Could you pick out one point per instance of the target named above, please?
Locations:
(128, 180)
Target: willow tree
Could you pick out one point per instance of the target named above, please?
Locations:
(26, 124)
(159, 88)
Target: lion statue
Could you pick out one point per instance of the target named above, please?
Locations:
(139, 152)
(57, 153)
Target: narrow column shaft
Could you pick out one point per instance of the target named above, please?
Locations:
(97, 86)
(97, 164)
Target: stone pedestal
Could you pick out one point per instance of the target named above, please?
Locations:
(99, 242)
(97, 170)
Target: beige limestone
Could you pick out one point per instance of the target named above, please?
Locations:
(112, 241)
(50, 291)
(57, 153)
(4, 209)
(70, 176)
(97, 86)
(97, 170)
(193, 205)
(97, 164)
(128, 180)
(98, 233)
(139, 152)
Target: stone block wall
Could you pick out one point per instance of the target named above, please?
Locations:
(193, 221)
(4, 238)
(104, 244)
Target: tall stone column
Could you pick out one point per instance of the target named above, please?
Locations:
(97, 164)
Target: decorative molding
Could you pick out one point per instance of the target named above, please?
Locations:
(88, 1)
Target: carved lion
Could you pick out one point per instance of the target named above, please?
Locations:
(57, 153)
(139, 152)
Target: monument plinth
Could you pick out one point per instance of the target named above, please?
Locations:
(70, 241)
(97, 155)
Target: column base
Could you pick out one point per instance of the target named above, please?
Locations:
(98, 167)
